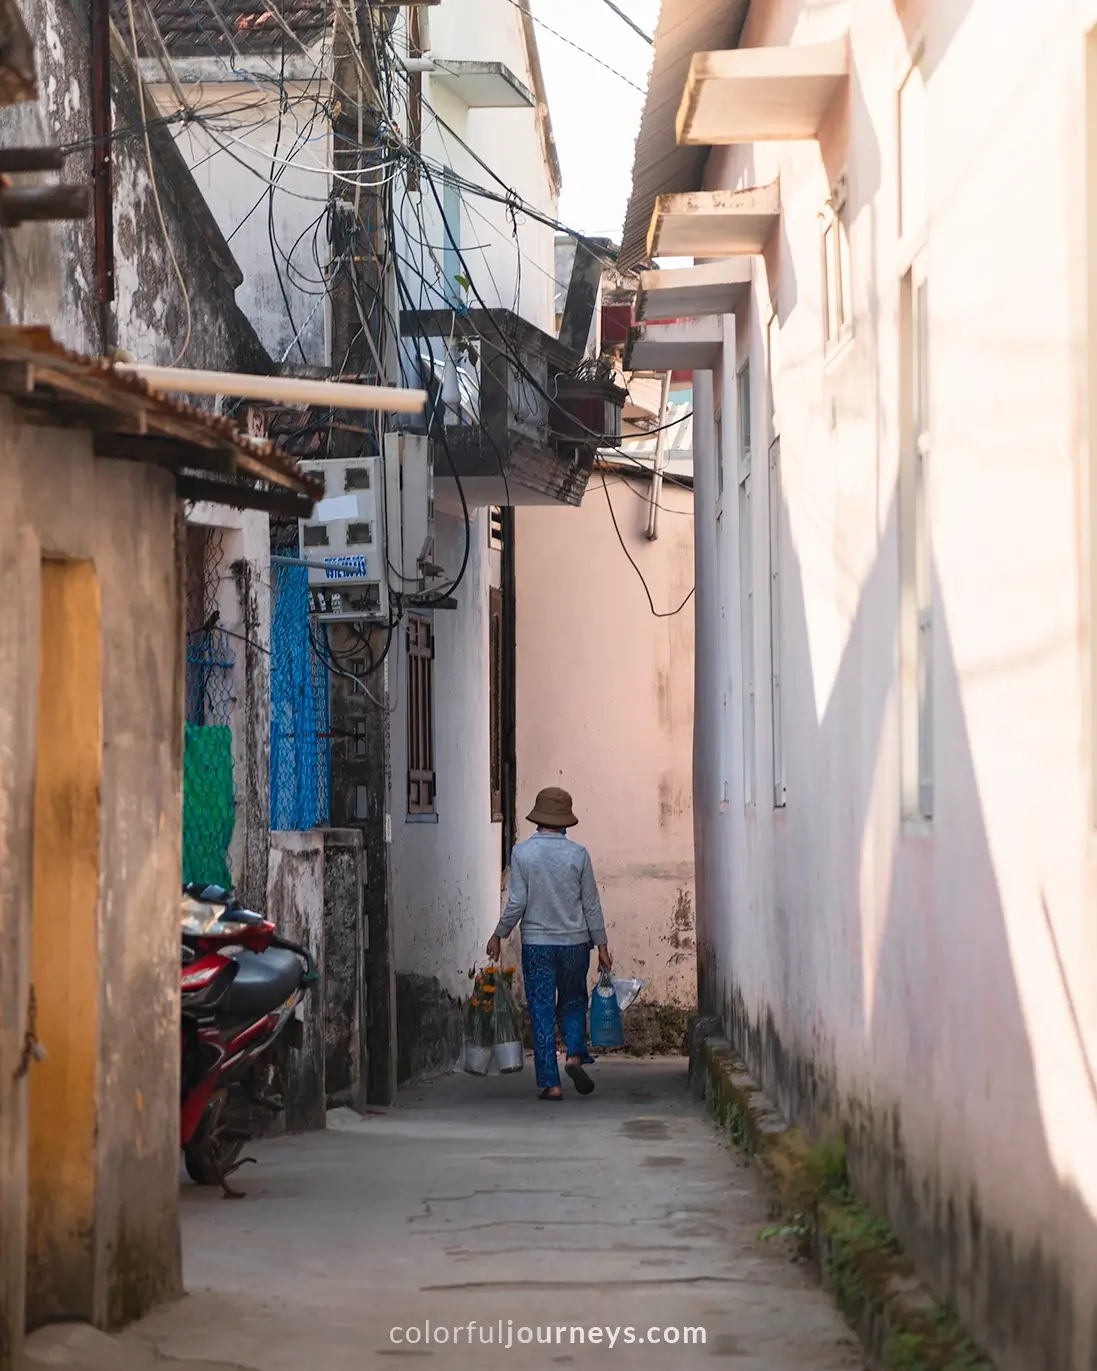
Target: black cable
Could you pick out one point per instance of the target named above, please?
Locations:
(514, 355)
(659, 614)
(275, 178)
(571, 44)
(633, 25)
(401, 287)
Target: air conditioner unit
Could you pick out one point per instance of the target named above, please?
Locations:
(344, 542)
(409, 494)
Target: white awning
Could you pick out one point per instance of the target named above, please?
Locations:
(690, 292)
(481, 85)
(714, 223)
(684, 345)
(754, 95)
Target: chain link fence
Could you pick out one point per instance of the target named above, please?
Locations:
(300, 715)
(209, 790)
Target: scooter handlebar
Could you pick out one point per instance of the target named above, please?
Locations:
(310, 966)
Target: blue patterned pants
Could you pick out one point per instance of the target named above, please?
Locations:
(556, 991)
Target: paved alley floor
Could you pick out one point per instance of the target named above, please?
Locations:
(473, 1202)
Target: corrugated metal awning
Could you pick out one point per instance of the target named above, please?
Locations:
(211, 457)
(660, 166)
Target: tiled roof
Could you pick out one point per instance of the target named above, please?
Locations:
(207, 452)
(197, 28)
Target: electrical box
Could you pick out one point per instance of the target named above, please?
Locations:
(344, 542)
(409, 492)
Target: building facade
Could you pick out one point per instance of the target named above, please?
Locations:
(605, 708)
(894, 719)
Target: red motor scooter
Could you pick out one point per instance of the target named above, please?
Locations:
(243, 992)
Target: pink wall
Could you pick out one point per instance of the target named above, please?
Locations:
(605, 709)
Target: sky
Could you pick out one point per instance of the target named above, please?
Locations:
(595, 114)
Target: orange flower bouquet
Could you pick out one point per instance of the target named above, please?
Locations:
(509, 1053)
(480, 1024)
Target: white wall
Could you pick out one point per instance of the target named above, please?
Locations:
(446, 873)
(931, 986)
(509, 276)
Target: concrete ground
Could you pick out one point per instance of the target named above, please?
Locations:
(472, 1200)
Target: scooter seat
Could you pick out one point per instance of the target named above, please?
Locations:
(265, 980)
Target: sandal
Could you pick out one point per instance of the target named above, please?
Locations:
(546, 1094)
(579, 1078)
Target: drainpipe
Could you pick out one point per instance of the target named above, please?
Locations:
(660, 460)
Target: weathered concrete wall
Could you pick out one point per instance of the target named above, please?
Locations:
(928, 987)
(242, 597)
(429, 1026)
(56, 500)
(295, 905)
(49, 269)
(346, 940)
(605, 709)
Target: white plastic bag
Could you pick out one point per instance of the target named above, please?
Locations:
(627, 991)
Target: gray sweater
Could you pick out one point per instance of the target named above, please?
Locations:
(553, 893)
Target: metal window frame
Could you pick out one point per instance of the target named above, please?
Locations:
(495, 702)
(916, 553)
(422, 779)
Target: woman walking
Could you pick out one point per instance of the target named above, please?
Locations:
(554, 895)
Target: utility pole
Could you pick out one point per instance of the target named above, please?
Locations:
(360, 754)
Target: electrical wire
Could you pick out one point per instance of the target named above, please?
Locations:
(270, 225)
(633, 25)
(659, 614)
(518, 5)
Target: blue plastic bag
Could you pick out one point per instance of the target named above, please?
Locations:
(605, 1014)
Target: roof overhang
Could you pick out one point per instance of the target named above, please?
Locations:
(661, 165)
(692, 292)
(482, 85)
(755, 95)
(681, 345)
(210, 457)
(714, 223)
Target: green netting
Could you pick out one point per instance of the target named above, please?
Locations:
(209, 810)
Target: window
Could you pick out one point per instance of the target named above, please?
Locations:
(723, 771)
(837, 293)
(916, 552)
(776, 501)
(495, 666)
(776, 650)
(743, 392)
(451, 242)
(746, 582)
(719, 421)
(421, 781)
(496, 532)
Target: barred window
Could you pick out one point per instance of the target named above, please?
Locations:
(421, 786)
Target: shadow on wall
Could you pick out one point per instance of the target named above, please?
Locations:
(937, 1091)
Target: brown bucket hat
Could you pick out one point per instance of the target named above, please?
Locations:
(552, 809)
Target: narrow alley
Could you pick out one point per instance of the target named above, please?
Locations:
(472, 1201)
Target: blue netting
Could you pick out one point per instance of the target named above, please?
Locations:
(300, 741)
